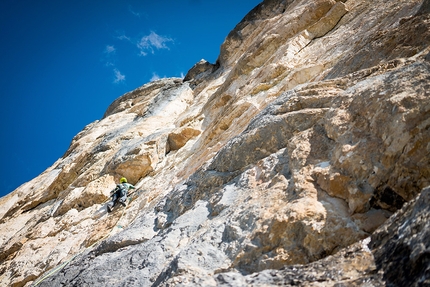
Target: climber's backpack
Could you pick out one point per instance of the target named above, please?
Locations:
(120, 190)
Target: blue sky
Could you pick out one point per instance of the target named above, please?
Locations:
(63, 62)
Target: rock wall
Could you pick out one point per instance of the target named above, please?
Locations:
(278, 164)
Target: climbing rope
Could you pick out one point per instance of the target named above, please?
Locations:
(58, 268)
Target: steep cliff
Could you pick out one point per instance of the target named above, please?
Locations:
(278, 164)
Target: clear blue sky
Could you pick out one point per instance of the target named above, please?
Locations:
(63, 62)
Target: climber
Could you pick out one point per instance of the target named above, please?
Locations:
(119, 194)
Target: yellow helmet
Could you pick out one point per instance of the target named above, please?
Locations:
(122, 180)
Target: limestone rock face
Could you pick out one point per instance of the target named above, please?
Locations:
(373, 261)
(302, 157)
